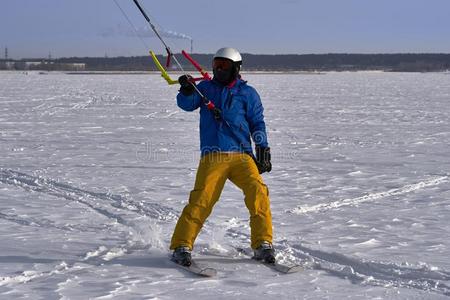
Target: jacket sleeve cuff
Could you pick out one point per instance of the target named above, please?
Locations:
(187, 103)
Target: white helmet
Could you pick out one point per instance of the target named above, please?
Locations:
(229, 53)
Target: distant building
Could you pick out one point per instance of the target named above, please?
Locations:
(29, 64)
(26, 65)
(41, 65)
(74, 66)
(9, 65)
(6, 65)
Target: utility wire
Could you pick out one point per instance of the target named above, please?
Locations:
(132, 26)
(169, 52)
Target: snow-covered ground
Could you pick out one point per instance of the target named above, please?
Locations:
(96, 168)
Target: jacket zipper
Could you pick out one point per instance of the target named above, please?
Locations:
(229, 100)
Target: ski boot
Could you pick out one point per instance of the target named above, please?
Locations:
(265, 252)
(182, 256)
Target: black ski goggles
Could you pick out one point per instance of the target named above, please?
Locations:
(222, 63)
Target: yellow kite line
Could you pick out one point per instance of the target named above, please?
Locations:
(164, 73)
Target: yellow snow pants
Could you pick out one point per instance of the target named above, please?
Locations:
(214, 169)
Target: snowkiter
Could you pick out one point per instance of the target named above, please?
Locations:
(226, 153)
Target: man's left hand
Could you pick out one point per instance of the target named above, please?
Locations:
(263, 158)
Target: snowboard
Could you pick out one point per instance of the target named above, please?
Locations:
(197, 269)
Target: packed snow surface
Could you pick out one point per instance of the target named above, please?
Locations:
(95, 169)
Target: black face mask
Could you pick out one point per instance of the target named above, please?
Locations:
(225, 77)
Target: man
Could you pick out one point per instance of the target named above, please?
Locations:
(226, 153)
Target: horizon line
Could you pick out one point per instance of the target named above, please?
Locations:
(243, 53)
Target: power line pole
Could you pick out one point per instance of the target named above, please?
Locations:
(6, 53)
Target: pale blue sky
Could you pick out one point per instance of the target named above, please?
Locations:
(33, 28)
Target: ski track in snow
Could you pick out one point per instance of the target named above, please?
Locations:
(27, 276)
(90, 199)
(92, 259)
(41, 222)
(322, 207)
(66, 191)
(375, 273)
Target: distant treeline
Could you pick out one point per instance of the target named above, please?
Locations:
(263, 62)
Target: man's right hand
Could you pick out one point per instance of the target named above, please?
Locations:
(186, 85)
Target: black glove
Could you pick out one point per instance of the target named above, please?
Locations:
(263, 159)
(187, 85)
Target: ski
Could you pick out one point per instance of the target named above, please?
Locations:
(282, 268)
(197, 269)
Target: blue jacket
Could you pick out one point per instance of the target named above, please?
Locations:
(242, 117)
